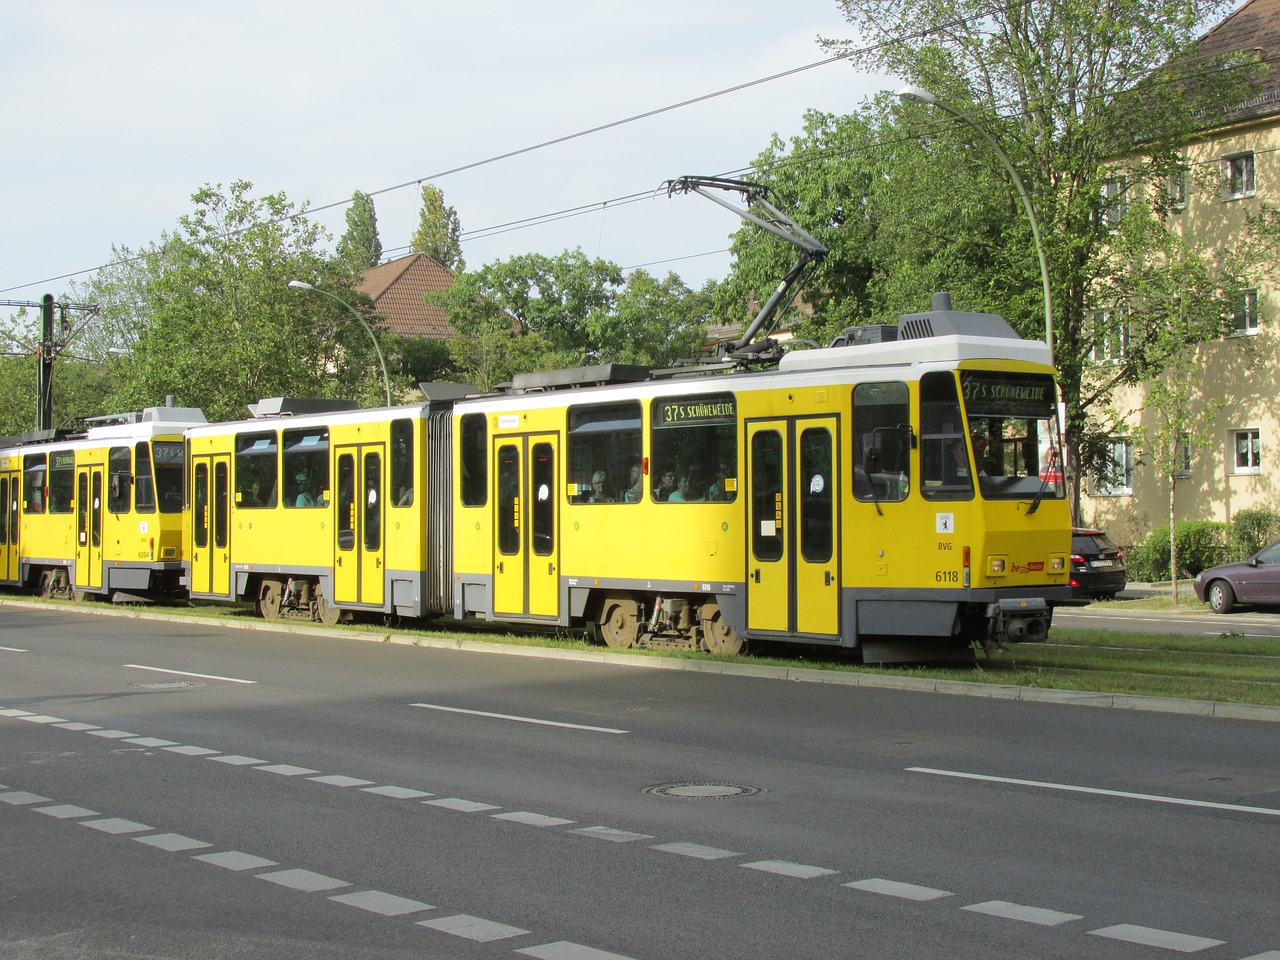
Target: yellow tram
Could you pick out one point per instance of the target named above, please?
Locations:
(314, 509)
(97, 512)
(888, 494)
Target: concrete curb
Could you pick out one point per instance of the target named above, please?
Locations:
(965, 688)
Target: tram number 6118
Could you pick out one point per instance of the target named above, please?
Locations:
(947, 576)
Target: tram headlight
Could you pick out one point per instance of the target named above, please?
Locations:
(1057, 564)
(997, 566)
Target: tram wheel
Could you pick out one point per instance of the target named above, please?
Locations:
(326, 612)
(718, 636)
(269, 595)
(619, 623)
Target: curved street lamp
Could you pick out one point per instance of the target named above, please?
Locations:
(386, 380)
(916, 94)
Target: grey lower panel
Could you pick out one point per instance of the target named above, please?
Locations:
(917, 618)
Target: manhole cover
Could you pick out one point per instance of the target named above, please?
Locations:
(703, 790)
(164, 685)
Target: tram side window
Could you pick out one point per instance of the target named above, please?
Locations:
(945, 465)
(256, 470)
(881, 441)
(170, 461)
(604, 445)
(696, 439)
(4, 512)
(473, 459)
(120, 484)
(33, 473)
(62, 481)
(144, 487)
(306, 467)
(401, 463)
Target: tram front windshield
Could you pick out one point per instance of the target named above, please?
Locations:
(1013, 432)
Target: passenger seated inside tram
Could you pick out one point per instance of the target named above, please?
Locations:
(636, 491)
(598, 492)
(683, 492)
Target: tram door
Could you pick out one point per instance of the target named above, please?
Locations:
(210, 525)
(10, 486)
(526, 581)
(359, 573)
(793, 575)
(88, 571)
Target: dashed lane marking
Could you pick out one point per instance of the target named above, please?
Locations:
(14, 650)
(338, 780)
(533, 819)
(696, 850)
(77, 726)
(21, 797)
(116, 825)
(565, 950)
(111, 734)
(801, 871)
(1017, 911)
(303, 880)
(235, 860)
(465, 806)
(473, 928)
(895, 888)
(609, 833)
(184, 673)
(1180, 942)
(517, 719)
(286, 769)
(66, 811)
(34, 718)
(235, 759)
(173, 842)
(375, 901)
(1097, 791)
(148, 741)
(398, 793)
(190, 751)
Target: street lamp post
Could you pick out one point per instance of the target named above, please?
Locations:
(916, 94)
(386, 380)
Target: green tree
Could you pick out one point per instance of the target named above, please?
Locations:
(213, 322)
(1071, 92)
(439, 230)
(654, 322)
(360, 247)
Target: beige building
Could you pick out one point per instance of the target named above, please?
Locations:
(1234, 462)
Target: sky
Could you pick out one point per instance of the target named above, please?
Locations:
(115, 113)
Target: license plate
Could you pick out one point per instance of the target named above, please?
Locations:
(1099, 563)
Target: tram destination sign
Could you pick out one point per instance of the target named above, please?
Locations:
(686, 411)
(1010, 394)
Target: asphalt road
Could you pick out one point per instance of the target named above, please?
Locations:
(183, 791)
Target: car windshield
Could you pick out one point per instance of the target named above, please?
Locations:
(1013, 428)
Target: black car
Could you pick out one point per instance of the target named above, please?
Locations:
(1255, 580)
(1097, 566)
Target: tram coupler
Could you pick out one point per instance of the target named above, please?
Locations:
(1018, 620)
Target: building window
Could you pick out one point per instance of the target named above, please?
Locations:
(1245, 318)
(1118, 480)
(1109, 333)
(1176, 189)
(1114, 204)
(1238, 174)
(1246, 448)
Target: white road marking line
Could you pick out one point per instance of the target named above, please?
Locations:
(1268, 955)
(375, 901)
(504, 716)
(111, 734)
(189, 751)
(11, 712)
(78, 726)
(465, 806)
(1123, 794)
(695, 850)
(566, 950)
(533, 819)
(116, 825)
(235, 860)
(236, 760)
(303, 880)
(184, 673)
(173, 842)
(14, 650)
(1018, 911)
(1147, 936)
(609, 833)
(895, 888)
(801, 871)
(472, 928)
(152, 742)
(338, 780)
(20, 797)
(286, 769)
(399, 793)
(66, 811)
(43, 719)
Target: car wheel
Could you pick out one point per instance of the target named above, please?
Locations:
(1222, 598)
